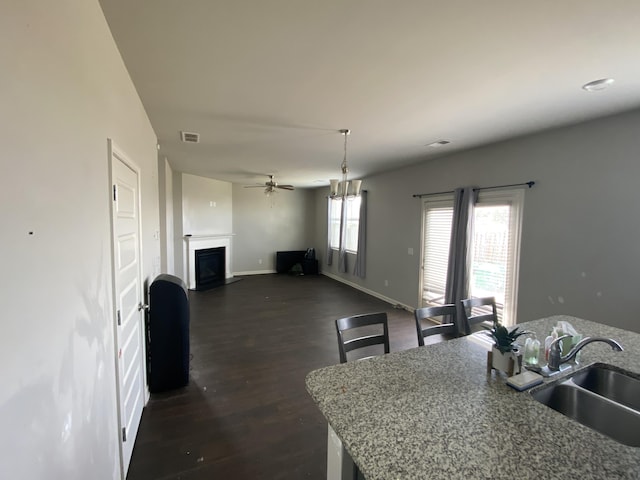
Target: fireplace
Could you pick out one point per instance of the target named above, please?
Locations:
(210, 267)
(193, 243)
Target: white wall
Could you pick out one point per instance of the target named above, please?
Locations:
(206, 206)
(264, 225)
(178, 239)
(580, 234)
(165, 185)
(64, 90)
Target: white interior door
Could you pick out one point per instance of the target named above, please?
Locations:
(127, 292)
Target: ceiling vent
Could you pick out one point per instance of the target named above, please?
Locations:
(190, 137)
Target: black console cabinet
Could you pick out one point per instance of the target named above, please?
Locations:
(287, 259)
(310, 267)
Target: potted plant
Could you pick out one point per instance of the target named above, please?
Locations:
(505, 351)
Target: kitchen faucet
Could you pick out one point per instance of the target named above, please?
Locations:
(555, 352)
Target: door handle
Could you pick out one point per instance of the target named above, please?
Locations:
(143, 306)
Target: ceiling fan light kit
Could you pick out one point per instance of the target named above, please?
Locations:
(339, 188)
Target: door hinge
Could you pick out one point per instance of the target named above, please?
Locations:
(124, 434)
(114, 193)
(119, 318)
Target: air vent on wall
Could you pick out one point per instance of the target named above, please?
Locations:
(190, 137)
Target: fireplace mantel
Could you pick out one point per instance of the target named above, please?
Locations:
(197, 242)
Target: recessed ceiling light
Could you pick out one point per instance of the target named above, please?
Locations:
(598, 85)
(439, 143)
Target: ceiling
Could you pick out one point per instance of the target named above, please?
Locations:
(268, 83)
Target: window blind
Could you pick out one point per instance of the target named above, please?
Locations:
(438, 217)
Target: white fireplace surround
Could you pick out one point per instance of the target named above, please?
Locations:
(200, 242)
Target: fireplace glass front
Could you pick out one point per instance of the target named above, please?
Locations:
(210, 267)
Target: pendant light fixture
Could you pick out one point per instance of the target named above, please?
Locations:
(340, 187)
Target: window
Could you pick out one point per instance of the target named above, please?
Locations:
(352, 220)
(437, 218)
(352, 223)
(335, 209)
(494, 249)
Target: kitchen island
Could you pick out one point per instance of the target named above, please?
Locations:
(434, 413)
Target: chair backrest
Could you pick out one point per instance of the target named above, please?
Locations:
(357, 321)
(471, 319)
(423, 313)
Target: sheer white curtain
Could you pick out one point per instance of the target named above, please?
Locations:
(329, 249)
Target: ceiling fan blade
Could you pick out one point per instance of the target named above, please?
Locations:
(271, 186)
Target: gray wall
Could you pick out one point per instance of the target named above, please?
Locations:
(264, 225)
(581, 228)
(260, 225)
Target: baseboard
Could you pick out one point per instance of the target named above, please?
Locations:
(370, 292)
(254, 272)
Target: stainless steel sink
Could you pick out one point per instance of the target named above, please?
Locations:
(612, 384)
(589, 397)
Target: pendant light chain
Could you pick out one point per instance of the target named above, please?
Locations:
(345, 169)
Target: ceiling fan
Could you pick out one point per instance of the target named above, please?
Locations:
(271, 186)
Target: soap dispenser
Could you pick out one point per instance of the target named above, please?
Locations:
(548, 341)
(531, 350)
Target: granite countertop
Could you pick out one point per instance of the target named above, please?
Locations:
(434, 413)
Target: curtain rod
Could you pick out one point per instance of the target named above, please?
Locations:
(528, 184)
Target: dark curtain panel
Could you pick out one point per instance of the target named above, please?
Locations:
(457, 287)
(329, 249)
(342, 251)
(360, 267)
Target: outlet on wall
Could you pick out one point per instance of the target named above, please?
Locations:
(386, 283)
(260, 261)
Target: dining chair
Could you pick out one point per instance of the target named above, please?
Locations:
(446, 330)
(362, 338)
(486, 311)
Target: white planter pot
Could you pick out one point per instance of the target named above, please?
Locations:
(501, 361)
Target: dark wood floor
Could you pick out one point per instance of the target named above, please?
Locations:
(246, 413)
